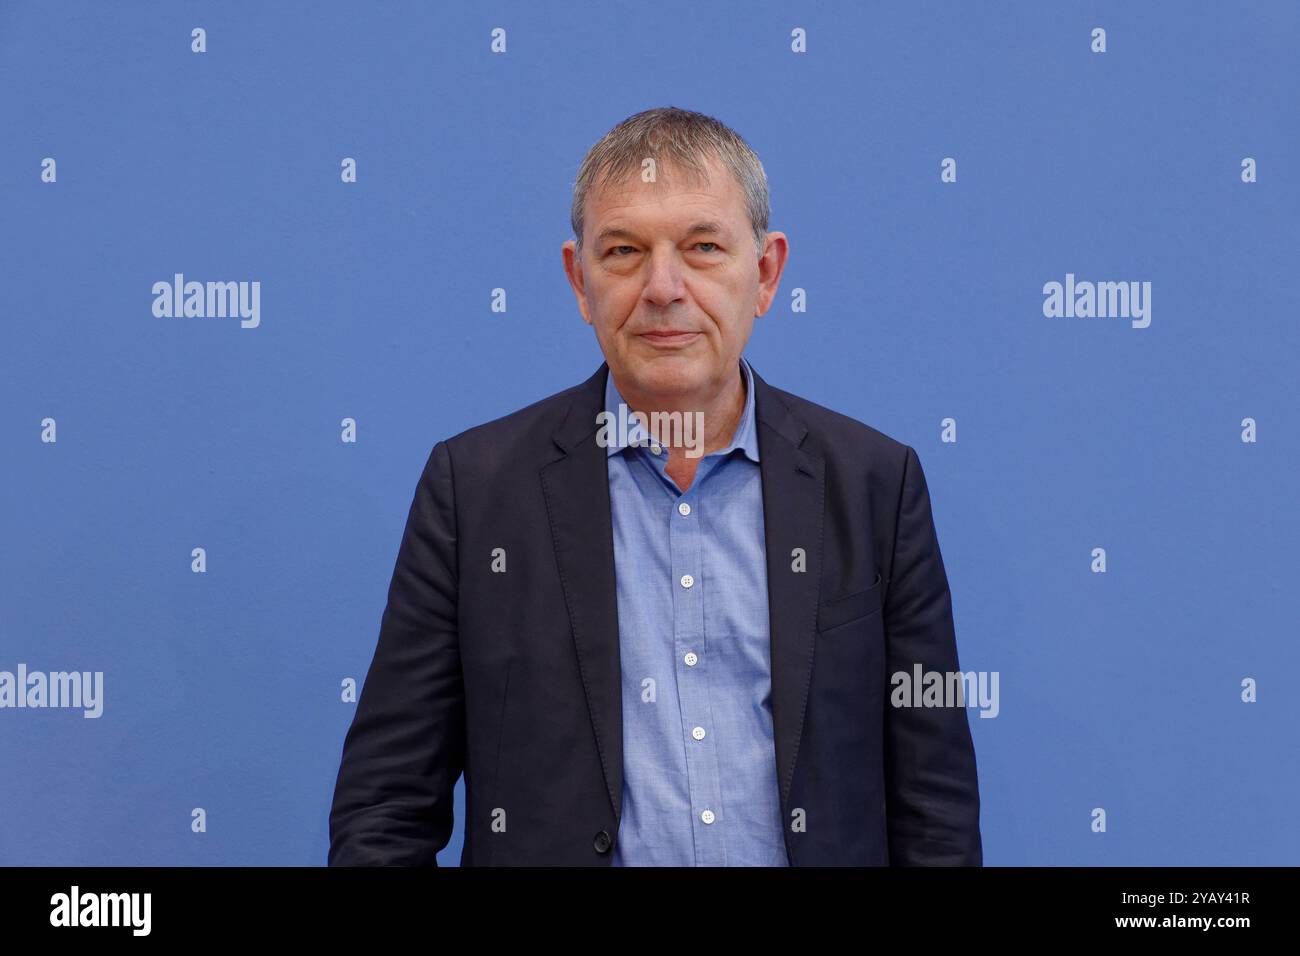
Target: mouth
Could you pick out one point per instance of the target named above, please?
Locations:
(670, 338)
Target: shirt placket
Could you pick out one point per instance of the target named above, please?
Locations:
(690, 655)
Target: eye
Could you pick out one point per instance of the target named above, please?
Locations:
(614, 249)
(714, 244)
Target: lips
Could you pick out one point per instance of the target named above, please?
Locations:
(669, 336)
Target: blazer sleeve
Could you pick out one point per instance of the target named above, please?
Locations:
(931, 790)
(405, 748)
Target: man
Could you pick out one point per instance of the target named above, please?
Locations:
(664, 645)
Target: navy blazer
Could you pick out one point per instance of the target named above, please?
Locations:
(512, 677)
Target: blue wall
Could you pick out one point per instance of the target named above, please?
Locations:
(1119, 690)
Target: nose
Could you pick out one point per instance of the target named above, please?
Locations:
(663, 284)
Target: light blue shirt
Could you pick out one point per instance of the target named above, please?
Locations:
(699, 762)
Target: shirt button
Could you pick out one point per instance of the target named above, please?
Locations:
(691, 659)
(707, 816)
(687, 580)
(683, 509)
(655, 447)
(698, 733)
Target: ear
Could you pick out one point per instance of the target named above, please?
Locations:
(770, 266)
(573, 270)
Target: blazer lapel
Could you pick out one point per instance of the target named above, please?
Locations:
(794, 492)
(576, 487)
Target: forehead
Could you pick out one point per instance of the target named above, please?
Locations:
(677, 193)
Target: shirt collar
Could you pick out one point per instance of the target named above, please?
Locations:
(745, 437)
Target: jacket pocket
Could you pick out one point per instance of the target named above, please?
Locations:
(850, 607)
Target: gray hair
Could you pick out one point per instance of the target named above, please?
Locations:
(683, 139)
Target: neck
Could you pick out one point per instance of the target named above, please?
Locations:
(720, 414)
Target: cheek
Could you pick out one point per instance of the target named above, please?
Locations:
(607, 310)
(616, 297)
(725, 297)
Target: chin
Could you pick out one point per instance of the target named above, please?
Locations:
(668, 375)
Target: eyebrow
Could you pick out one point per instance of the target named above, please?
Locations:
(707, 227)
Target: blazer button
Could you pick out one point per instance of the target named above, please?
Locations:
(602, 843)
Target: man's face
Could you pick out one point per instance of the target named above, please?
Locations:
(671, 280)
